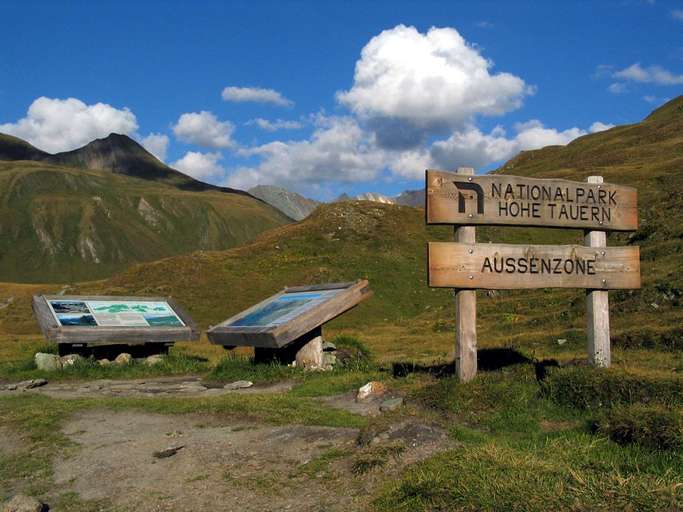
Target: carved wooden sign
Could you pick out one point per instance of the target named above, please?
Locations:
(513, 200)
(466, 200)
(106, 320)
(506, 266)
(288, 315)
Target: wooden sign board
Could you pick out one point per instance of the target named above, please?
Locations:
(512, 200)
(107, 320)
(288, 315)
(506, 266)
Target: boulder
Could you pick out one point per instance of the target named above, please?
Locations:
(240, 384)
(310, 356)
(71, 359)
(123, 359)
(21, 503)
(329, 347)
(153, 360)
(391, 405)
(47, 362)
(370, 390)
(104, 362)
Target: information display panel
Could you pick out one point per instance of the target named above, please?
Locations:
(287, 315)
(99, 320)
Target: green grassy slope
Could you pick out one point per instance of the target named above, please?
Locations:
(386, 244)
(63, 224)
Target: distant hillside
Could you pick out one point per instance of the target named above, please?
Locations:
(291, 204)
(386, 244)
(88, 213)
(414, 198)
(115, 153)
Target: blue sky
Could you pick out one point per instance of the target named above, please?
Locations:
(492, 78)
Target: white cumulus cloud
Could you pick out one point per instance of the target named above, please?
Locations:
(157, 144)
(55, 125)
(651, 74)
(255, 94)
(202, 166)
(408, 85)
(204, 129)
(598, 126)
(273, 126)
(338, 151)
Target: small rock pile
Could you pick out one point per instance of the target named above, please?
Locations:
(53, 362)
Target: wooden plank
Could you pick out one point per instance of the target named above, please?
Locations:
(512, 200)
(597, 307)
(506, 266)
(465, 311)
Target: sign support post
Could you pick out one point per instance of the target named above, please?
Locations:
(465, 311)
(597, 306)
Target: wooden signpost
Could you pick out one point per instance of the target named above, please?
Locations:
(91, 321)
(466, 200)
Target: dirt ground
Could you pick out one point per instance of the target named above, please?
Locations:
(226, 464)
(220, 467)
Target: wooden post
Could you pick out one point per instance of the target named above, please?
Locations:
(597, 306)
(465, 311)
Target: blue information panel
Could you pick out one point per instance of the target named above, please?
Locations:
(284, 308)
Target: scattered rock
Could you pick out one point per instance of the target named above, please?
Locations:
(33, 383)
(153, 360)
(371, 389)
(391, 405)
(123, 359)
(310, 356)
(21, 503)
(11, 387)
(240, 384)
(104, 362)
(168, 452)
(47, 362)
(71, 359)
(561, 341)
(329, 347)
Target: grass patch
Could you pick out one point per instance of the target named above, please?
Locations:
(237, 367)
(593, 388)
(375, 456)
(321, 463)
(666, 339)
(495, 477)
(652, 427)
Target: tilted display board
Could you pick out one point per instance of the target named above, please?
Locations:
(506, 266)
(513, 200)
(99, 320)
(288, 315)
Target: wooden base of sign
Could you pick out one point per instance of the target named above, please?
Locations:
(597, 307)
(465, 312)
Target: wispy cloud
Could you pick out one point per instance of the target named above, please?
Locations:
(255, 94)
(677, 14)
(484, 24)
(273, 126)
(652, 74)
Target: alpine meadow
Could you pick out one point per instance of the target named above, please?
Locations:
(257, 314)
